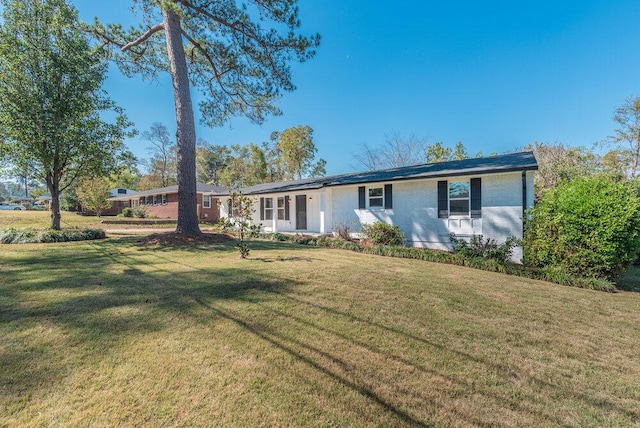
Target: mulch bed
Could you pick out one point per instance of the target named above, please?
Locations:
(173, 239)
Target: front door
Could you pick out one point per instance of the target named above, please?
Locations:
(301, 212)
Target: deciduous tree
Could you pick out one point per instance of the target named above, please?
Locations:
(296, 153)
(627, 134)
(163, 161)
(93, 193)
(52, 105)
(222, 48)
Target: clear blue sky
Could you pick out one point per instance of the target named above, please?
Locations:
(495, 75)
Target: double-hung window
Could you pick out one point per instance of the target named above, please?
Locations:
(281, 208)
(206, 201)
(155, 199)
(459, 198)
(376, 197)
(268, 208)
(164, 199)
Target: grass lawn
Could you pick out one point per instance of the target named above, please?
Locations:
(114, 333)
(42, 220)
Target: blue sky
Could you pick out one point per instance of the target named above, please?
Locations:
(495, 75)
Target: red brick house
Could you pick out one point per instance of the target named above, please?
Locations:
(163, 202)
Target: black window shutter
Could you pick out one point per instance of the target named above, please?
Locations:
(261, 208)
(476, 198)
(443, 199)
(229, 213)
(286, 208)
(362, 200)
(388, 197)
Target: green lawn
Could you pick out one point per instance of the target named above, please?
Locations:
(114, 333)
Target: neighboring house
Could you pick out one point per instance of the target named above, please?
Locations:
(163, 202)
(118, 205)
(486, 196)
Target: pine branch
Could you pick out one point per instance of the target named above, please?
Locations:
(150, 32)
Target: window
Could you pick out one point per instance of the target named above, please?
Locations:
(164, 199)
(206, 201)
(376, 197)
(281, 209)
(459, 198)
(155, 199)
(122, 191)
(268, 208)
(149, 200)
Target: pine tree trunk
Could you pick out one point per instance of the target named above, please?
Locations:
(186, 133)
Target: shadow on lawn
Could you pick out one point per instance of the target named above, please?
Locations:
(91, 287)
(80, 297)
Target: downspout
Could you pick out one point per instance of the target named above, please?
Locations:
(524, 198)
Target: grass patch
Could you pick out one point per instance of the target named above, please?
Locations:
(121, 333)
(492, 265)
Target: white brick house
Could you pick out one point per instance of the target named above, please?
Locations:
(428, 202)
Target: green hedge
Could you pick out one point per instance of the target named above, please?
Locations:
(588, 227)
(35, 236)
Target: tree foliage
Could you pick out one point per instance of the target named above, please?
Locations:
(627, 135)
(293, 155)
(210, 162)
(589, 227)
(52, 109)
(559, 164)
(93, 194)
(223, 49)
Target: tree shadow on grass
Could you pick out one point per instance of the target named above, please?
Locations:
(630, 281)
(97, 299)
(101, 295)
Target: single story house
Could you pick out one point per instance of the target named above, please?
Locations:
(482, 196)
(118, 205)
(163, 202)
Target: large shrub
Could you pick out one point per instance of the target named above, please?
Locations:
(383, 234)
(485, 248)
(588, 227)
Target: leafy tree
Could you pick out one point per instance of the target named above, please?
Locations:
(222, 48)
(438, 153)
(126, 173)
(460, 152)
(297, 152)
(319, 169)
(627, 135)
(247, 166)
(210, 162)
(589, 226)
(163, 161)
(242, 210)
(93, 194)
(558, 164)
(52, 104)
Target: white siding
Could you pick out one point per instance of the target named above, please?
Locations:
(415, 210)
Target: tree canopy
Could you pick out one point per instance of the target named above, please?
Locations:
(627, 136)
(52, 109)
(236, 53)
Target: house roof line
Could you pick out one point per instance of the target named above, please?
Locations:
(200, 188)
(521, 161)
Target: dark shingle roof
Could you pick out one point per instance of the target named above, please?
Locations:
(493, 164)
(200, 188)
